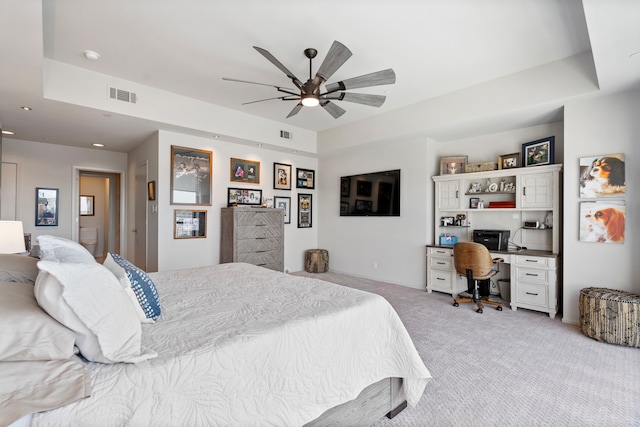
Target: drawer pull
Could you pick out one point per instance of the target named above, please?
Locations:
(531, 274)
(531, 293)
(440, 263)
(440, 278)
(532, 260)
(261, 264)
(441, 252)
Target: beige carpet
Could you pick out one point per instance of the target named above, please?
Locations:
(508, 368)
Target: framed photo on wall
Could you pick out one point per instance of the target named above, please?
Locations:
(305, 178)
(602, 222)
(284, 203)
(304, 210)
(244, 196)
(46, 207)
(539, 152)
(190, 177)
(602, 176)
(453, 165)
(86, 205)
(244, 171)
(281, 176)
(189, 224)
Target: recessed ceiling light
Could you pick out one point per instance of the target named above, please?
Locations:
(26, 108)
(259, 144)
(8, 132)
(96, 144)
(91, 55)
(294, 151)
(216, 136)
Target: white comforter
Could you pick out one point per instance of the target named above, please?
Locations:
(239, 345)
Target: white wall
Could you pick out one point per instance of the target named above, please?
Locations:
(184, 253)
(606, 125)
(52, 166)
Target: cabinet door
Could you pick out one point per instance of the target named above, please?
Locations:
(537, 190)
(449, 194)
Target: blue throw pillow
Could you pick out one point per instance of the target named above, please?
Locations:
(142, 286)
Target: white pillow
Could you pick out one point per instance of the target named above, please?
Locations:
(122, 277)
(88, 299)
(54, 248)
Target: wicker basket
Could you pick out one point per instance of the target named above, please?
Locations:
(610, 316)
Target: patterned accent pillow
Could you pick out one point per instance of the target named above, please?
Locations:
(142, 286)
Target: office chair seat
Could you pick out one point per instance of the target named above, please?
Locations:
(473, 261)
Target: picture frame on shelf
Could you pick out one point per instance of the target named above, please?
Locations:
(453, 165)
(242, 170)
(244, 196)
(283, 203)
(191, 176)
(281, 176)
(539, 152)
(474, 202)
(304, 210)
(509, 161)
(305, 178)
(602, 176)
(189, 224)
(47, 200)
(86, 205)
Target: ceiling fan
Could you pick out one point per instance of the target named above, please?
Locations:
(310, 94)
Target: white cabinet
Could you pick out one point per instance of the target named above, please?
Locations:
(535, 283)
(441, 274)
(537, 191)
(449, 194)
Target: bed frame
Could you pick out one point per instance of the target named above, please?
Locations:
(385, 397)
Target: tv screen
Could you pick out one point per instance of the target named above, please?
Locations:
(370, 194)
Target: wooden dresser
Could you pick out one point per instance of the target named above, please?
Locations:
(254, 236)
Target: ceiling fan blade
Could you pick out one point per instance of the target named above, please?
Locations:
(279, 64)
(337, 55)
(261, 100)
(358, 98)
(295, 110)
(332, 108)
(254, 83)
(384, 77)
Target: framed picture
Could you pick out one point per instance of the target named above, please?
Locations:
(473, 202)
(281, 176)
(245, 171)
(304, 210)
(344, 208)
(47, 207)
(363, 188)
(305, 178)
(602, 176)
(244, 196)
(453, 165)
(509, 161)
(363, 206)
(602, 222)
(86, 205)
(538, 153)
(345, 186)
(189, 224)
(151, 190)
(284, 203)
(191, 176)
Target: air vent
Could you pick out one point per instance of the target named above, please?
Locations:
(286, 135)
(122, 95)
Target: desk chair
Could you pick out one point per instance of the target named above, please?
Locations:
(474, 261)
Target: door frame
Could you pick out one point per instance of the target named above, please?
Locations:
(75, 203)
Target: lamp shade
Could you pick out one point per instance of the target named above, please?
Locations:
(11, 237)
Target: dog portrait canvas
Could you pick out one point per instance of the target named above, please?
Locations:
(602, 222)
(602, 176)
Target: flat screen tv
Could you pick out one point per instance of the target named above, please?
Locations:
(370, 194)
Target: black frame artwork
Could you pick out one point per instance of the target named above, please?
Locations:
(47, 201)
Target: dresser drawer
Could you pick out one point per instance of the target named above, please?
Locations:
(534, 294)
(258, 232)
(532, 275)
(440, 280)
(258, 245)
(261, 258)
(253, 218)
(441, 263)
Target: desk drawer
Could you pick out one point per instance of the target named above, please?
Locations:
(535, 261)
(534, 294)
(441, 263)
(440, 280)
(444, 252)
(532, 275)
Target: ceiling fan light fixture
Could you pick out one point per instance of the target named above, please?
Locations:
(310, 101)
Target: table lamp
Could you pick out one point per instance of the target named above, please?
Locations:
(11, 237)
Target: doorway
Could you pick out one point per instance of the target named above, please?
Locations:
(105, 191)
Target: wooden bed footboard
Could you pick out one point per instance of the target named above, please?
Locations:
(385, 397)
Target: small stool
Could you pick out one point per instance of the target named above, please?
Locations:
(610, 316)
(316, 261)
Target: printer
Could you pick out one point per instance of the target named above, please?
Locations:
(494, 240)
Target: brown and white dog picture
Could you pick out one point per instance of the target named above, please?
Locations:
(602, 222)
(602, 176)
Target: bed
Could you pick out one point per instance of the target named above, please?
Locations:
(237, 344)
